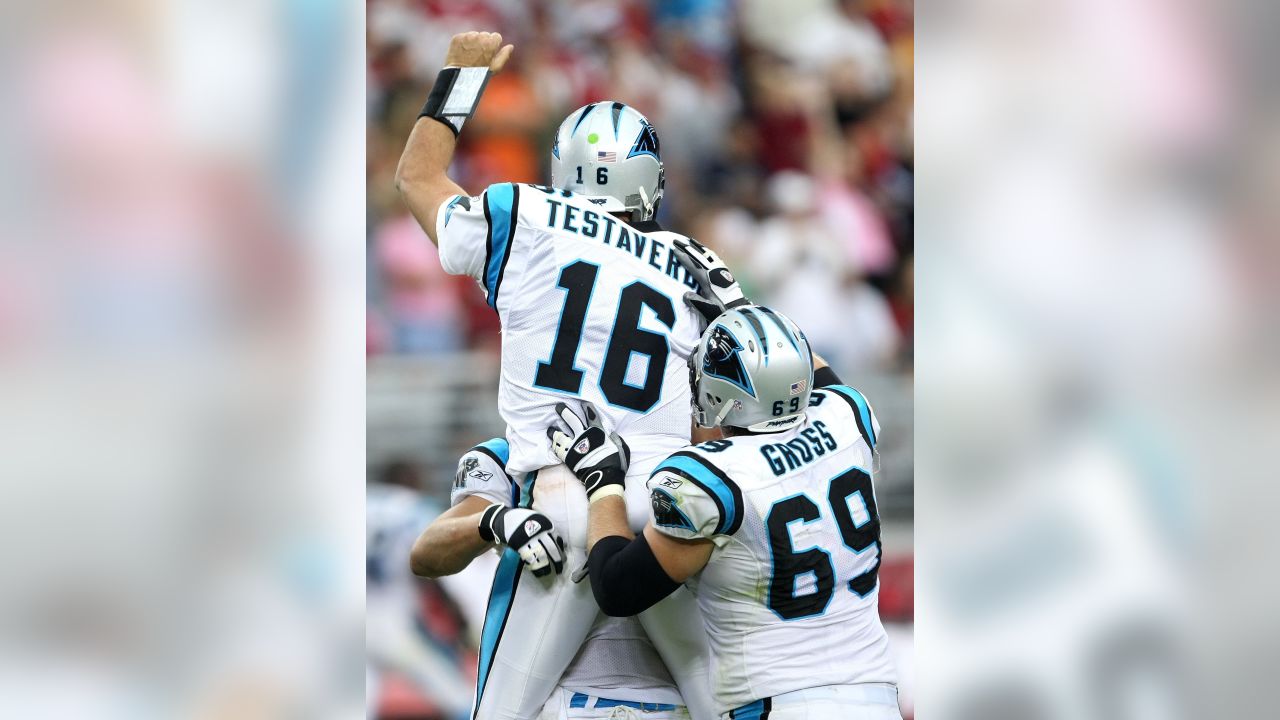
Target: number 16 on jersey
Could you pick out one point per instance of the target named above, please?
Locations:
(560, 372)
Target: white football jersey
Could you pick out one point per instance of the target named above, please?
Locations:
(591, 309)
(789, 594)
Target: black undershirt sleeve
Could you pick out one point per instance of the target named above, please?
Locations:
(625, 576)
(823, 377)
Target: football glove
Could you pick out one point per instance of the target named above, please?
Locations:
(597, 458)
(527, 532)
(718, 289)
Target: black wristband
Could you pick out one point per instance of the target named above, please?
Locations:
(822, 377)
(455, 95)
(435, 100)
(486, 522)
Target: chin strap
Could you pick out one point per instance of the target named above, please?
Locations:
(724, 411)
(649, 205)
(646, 206)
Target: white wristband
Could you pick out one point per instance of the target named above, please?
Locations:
(606, 491)
(465, 94)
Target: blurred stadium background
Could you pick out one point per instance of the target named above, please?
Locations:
(786, 132)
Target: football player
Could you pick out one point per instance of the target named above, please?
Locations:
(587, 289)
(774, 527)
(617, 666)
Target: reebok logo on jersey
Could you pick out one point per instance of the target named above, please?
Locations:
(480, 475)
(672, 483)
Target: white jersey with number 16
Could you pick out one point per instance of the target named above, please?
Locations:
(591, 309)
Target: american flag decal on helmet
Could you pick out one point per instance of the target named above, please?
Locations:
(798, 387)
(606, 156)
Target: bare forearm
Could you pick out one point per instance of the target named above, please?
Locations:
(447, 546)
(607, 516)
(422, 177)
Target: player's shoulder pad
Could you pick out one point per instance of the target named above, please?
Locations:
(692, 497)
(868, 426)
(496, 449)
(483, 468)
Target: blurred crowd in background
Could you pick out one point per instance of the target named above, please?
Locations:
(786, 135)
(785, 132)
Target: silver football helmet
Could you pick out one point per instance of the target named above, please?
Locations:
(608, 150)
(753, 369)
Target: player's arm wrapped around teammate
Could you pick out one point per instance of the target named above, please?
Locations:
(630, 576)
(483, 514)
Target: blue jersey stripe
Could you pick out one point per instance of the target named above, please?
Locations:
(750, 711)
(602, 703)
(500, 205)
(581, 700)
(526, 493)
(710, 480)
(495, 617)
(863, 408)
(499, 447)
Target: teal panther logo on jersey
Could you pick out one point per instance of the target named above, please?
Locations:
(666, 511)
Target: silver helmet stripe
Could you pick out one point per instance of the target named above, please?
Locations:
(786, 331)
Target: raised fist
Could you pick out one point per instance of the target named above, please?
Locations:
(478, 49)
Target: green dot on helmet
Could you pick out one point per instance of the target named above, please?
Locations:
(593, 138)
